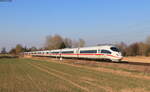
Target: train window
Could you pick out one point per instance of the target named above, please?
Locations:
(55, 52)
(67, 52)
(115, 49)
(88, 51)
(105, 52)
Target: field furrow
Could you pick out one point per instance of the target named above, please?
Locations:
(26, 75)
(88, 85)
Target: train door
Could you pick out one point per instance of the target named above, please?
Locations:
(100, 55)
(77, 52)
(60, 55)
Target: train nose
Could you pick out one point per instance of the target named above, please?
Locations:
(119, 55)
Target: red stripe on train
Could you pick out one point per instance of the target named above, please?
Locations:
(82, 54)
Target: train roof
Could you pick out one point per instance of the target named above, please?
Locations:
(90, 47)
(98, 47)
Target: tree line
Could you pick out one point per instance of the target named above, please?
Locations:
(51, 42)
(59, 42)
(136, 48)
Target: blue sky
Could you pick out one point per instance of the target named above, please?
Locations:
(28, 22)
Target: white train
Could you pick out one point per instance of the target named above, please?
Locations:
(106, 52)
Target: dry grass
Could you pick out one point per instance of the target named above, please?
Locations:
(125, 68)
(26, 75)
(137, 59)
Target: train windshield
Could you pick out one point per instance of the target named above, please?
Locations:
(115, 49)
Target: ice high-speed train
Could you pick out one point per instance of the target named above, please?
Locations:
(105, 52)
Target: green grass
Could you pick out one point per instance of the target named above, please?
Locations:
(25, 75)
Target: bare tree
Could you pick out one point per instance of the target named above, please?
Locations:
(75, 44)
(68, 42)
(133, 49)
(144, 49)
(12, 51)
(147, 47)
(81, 43)
(19, 48)
(147, 40)
(54, 42)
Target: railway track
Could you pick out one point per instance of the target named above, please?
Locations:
(121, 62)
(134, 63)
(103, 61)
